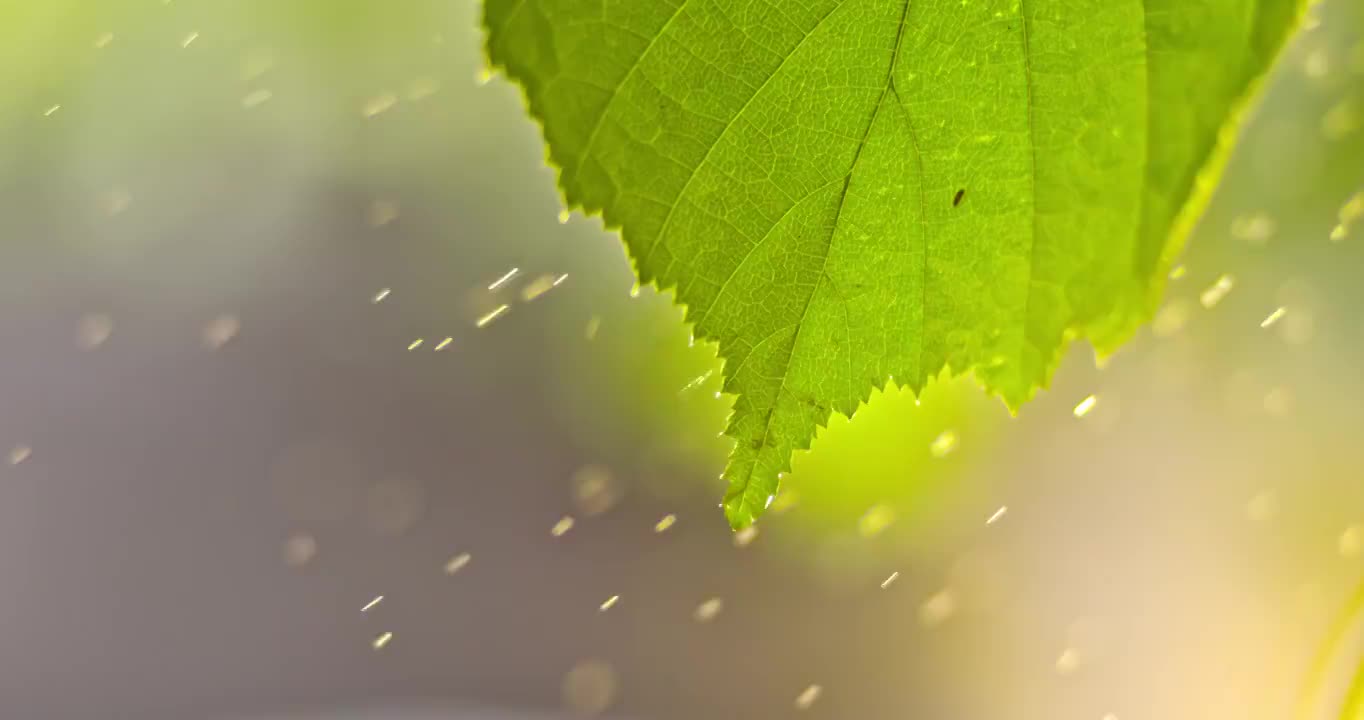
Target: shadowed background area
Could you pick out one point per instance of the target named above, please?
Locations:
(226, 226)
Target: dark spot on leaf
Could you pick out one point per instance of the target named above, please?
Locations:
(956, 200)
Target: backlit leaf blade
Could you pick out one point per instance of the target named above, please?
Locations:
(845, 192)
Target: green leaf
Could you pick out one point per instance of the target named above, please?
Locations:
(843, 192)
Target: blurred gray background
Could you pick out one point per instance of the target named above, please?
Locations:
(219, 447)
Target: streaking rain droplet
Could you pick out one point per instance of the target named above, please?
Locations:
(255, 98)
(220, 331)
(564, 525)
(875, 520)
(94, 330)
(379, 104)
(745, 536)
(457, 563)
(503, 280)
(938, 608)
(1083, 408)
(490, 317)
(706, 611)
(808, 696)
(19, 454)
(537, 287)
(943, 444)
(1218, 290)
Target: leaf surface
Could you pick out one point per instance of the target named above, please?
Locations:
(845, 192)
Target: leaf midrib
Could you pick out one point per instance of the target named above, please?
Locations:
(889, 85)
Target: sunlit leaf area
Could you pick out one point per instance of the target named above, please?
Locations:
(317, 404)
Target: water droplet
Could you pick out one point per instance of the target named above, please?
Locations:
(589, 688)
(379, 104)
(491, 316)
(1351, 542)
(997, 515)
(255, 98)
(457, 563)
(666, 522)
(1256, 228)
(744, 537)
(19, 454)
(299, 550)
(808, 696)
(875, 520)
(503, 280)
(1317, 65)
(1263, 507)
(1218, 290)
(609, 603)
(189, 39)
(1170, 319)
(1068, 662)
(787, 498)
(382, 640)
(564, 525)
(595, 490)
(889, 580)
(1084, 406)
(706, 611)
(93, 330)
(369, 605)
(943, 444)
(381, 212)
(537, 287)
(938, 609)
(220, 331)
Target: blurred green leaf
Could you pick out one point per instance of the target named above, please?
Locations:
(843, 192)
